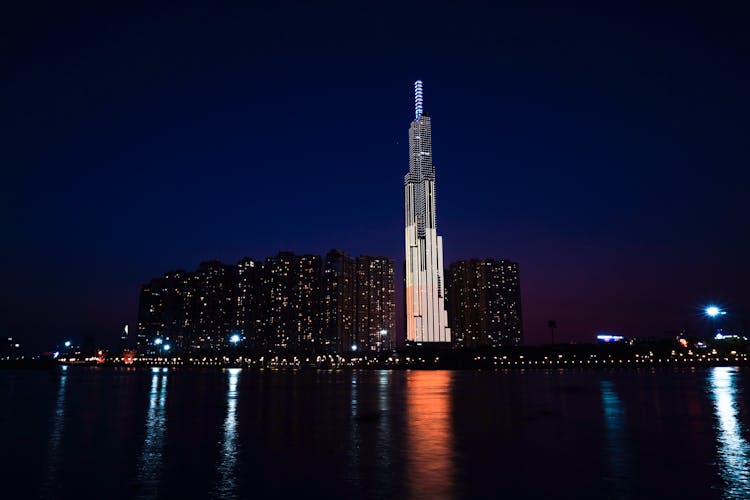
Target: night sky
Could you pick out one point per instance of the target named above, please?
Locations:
(604, 147)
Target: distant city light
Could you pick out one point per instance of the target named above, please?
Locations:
(234, 338)
(167, 347)
(723, 336)
(605, 337)
(67, 343)
(354, 347)
(56, 354)
(158, 341)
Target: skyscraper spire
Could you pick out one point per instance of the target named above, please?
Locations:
(417, 99)
(426, 318)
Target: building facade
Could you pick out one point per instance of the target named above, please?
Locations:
(375, 303)
(213, 304)
(250, 303)
(424, 292)
(165, 313)
(339, 300)
(484, 303)
(292, 296)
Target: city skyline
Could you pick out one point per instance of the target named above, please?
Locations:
(603, 149)
(286, 303)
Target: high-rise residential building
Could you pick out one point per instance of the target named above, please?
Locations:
(213, 306)
(484, 303)
(338, 307)
(164, 313)
(287, 302)
(426, 317)
(149, 323)
(375, 304)
(250, 304)
(292, 287)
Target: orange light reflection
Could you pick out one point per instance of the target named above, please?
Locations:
(430, 454)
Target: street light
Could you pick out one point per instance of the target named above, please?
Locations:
(167, 347)
(67, 343)
(384, 339)
(713, 311)
(234, 339)
(158, 341)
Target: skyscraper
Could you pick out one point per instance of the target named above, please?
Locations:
(339, 312)
(213, 305)
(426, 317)
(249, 322)
(484, 301)
(292, 288)
(165, 312)
(375, 303)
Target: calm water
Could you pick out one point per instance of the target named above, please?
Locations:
(115, 433)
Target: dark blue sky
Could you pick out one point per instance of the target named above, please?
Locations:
(603, 147)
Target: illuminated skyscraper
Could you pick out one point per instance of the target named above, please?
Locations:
(426, 318)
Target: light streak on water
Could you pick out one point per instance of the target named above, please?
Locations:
(227, 468)
(150, 461)
(617, 445)
(732, 449)
(56, 436)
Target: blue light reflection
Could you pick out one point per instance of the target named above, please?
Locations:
(617, 444)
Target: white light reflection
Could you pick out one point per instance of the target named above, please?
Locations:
(55, 438)
(227, 485)
(150, 463)
(384, 451)
(355, 443)
(617, 449)
(733, 452)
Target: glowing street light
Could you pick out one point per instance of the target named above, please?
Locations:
(713, 311)
(354, 347)
(67, 343)
(167, 347)
(234, 339)
(158, 341)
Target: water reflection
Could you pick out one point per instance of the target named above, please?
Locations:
(616, 447)
(150, 462)
(55, 438)
(733, 452)
(430, 469)
(354, 430)
(227, 485)
(383, 447)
